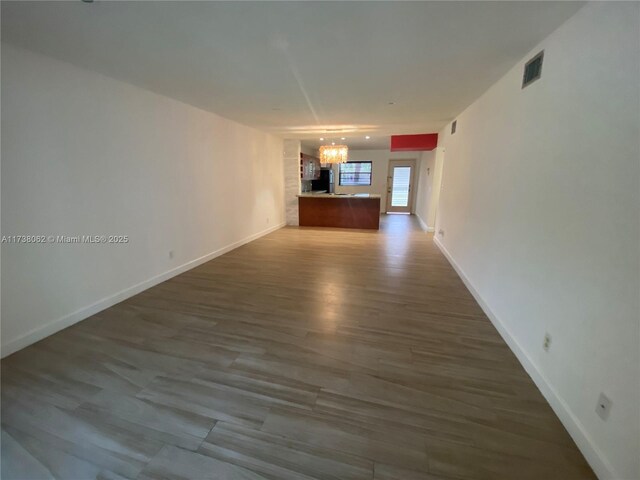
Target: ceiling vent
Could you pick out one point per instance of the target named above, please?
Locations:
(453, 126)
(532, 70)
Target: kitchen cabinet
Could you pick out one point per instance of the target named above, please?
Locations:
(309, 167)
(339, 211)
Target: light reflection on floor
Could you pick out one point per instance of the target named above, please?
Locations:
(397, 231)
(337, 283)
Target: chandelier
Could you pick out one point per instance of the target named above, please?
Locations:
(333, 154)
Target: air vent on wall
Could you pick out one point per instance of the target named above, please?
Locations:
(453, 126)
(532, 70)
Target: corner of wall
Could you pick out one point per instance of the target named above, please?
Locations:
(587, 446)
(291, 161)
(58, 324)
(423, 225)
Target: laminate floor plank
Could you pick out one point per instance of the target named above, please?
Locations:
(274, 390)
(113, 447)
(42, 460)
(390, 472)
(328, 354)
(170, 425)
(19, 462)
(358, 438)
(280, 458)
(173, 463)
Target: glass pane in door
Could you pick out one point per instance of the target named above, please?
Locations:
(400, 186)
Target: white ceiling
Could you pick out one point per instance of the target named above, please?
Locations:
(298, 69)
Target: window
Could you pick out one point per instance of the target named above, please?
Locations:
(355, 174)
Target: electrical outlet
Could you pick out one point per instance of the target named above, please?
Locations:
(441, 232)
(170, 253)
(603, 408)
(546, 344)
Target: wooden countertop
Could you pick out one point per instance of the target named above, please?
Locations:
(338, 195)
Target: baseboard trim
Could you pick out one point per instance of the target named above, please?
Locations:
(423, 224)
(50, 328)
(598, 462)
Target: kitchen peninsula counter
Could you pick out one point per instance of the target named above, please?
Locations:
(360, 210)
(338, 195)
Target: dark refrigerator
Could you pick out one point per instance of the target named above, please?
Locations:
(325, 182)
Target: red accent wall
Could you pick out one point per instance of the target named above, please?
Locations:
(405, 143)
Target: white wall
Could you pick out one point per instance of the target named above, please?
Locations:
(86, 154)
(540, 208)
(379, 169)
(309, 150)
(428, 189)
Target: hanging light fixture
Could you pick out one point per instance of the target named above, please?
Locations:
(333, 154)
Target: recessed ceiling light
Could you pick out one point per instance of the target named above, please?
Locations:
(343, 138)
(333, 143)
(321, 139)
(367, 137)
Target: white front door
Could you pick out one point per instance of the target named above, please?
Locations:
(400, 186)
